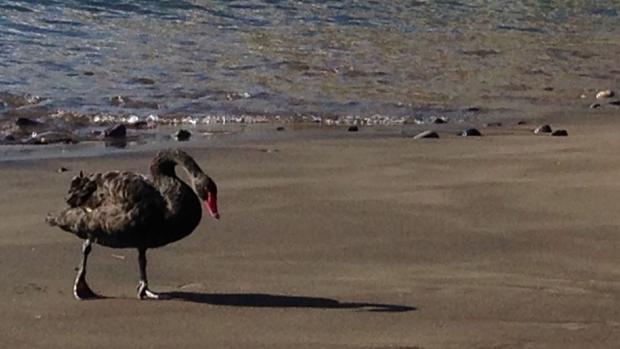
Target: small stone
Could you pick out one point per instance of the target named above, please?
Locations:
(559, 133)
(595, 105)
(116, 131)
(89, 73)
(280, 128)
(439, 120)
(473, 109)
(26, 122)
(604, 94)
(521, 122)
(353, 129)
(616, 102)
(493, 124)
(182, 135)
(9, 138)
(426, 134)
(543, 129)
(548, 88)
(470, 132)
(62, 169)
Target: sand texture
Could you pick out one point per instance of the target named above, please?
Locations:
(504, 241)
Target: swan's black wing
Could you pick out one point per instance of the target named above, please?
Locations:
(117, 209)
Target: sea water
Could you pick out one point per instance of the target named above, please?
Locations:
(340, 61)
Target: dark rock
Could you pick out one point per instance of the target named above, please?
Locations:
(89, 73)
(470, 132)
(426, 134)
(439, 120)
(353, 129)
(26, 122)
(62, 169)
(116, 131)
(616, 102)
(9, 138)
(548, 88)
(182, 135)
(493, 124)
(595, 105)
(543, 129)
(280, 128)
(521, 122)
(473, 109)
(559, 133)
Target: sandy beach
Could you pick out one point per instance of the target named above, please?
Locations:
(504, 241)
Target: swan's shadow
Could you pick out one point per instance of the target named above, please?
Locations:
(261, 300)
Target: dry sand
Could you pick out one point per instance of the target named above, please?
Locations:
(505, 241)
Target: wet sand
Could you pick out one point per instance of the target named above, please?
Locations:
(505, 241)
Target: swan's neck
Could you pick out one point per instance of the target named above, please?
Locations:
(184, 207)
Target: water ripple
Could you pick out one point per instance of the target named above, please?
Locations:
(284, 57)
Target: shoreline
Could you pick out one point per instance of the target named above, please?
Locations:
(222, 135)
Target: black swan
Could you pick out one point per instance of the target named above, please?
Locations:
(124, 209)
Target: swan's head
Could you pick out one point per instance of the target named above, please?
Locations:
(207, 191)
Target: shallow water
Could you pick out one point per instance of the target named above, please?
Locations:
(288, 58)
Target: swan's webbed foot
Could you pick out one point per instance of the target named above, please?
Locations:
(145, 293)
(81, 290)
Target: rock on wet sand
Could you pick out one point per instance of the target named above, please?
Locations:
(560, 133)
(426, 134)
(439, 120)
(116, 131)
(543, 129)
(26, 122)
(182, 135)
(469, 132)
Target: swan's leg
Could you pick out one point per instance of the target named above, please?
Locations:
(80, 287)
(143, 285)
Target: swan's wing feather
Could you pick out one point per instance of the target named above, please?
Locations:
(117, 188)
(80, 190)
(106, 205)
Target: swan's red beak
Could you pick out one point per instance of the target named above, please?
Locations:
(211, 204)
